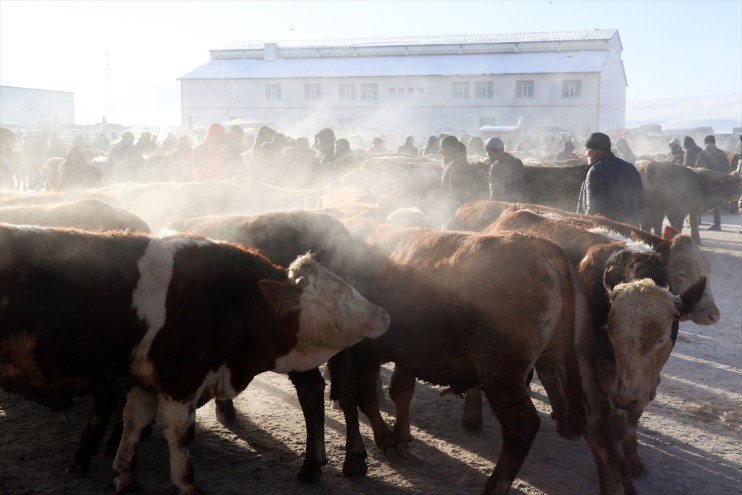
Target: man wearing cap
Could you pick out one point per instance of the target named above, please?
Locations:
(613, 187)
(505, 174)
(712, 158)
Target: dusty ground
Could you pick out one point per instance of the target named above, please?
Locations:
(690, 436)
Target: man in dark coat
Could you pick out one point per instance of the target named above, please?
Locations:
(691, 151)
(712, 158)
(505, 174)
(613, 187)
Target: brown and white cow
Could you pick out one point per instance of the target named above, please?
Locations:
(439, 332)
(176, 317)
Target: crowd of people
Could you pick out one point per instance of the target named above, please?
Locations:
(471, 168)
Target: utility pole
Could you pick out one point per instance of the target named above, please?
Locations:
(109, 97)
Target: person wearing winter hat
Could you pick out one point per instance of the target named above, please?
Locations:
(676, 154)
(612, 187)
(505, 172)
(691, 151)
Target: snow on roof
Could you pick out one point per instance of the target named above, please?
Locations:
(469, 39)
(406, 65)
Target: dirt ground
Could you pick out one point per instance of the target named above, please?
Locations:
(690, 436)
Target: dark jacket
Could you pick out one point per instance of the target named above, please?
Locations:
(613, 188)
(506, 178)
(712, 158)
(691, 152)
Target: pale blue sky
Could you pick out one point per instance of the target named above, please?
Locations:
(671, 48)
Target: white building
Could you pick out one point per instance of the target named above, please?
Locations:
(36, 107)
(570, 81)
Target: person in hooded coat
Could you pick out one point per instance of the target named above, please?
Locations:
(75, 173)
(691, 151)
(676, 154)
(215, 158)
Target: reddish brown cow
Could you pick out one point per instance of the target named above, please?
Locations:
(178, 317)
(527, 289)
(683, 258)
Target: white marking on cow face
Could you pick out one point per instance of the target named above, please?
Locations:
(686, 267)
(333, 316)
(149, 297)
(639, 327)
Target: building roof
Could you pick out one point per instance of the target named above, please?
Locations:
(586, 61)
(468, 39)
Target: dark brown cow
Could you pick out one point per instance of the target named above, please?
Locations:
(177, 317)
(439, 333)
(678, 192)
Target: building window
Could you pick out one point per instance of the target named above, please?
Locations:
(420, 91)
(572, 89)
(460, 90)
(369, 91)
(410, 91)
(524, 89)
(272, 91)
(312, 92)
(347, 91)
(484, 89)
(392, 91)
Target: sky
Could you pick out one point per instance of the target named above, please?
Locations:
(123, 59)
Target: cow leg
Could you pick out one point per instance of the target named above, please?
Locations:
(694, 219)
(472, 420)
(344, 373)
(139, 411)
(552, 375)
(179, 428)
(401, 389)
(103, 406)
(604, 435)
(631, 447)
(519, 423)
(310, 389)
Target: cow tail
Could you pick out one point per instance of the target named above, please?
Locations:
(577, 315)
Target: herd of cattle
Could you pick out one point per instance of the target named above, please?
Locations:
(240, 278)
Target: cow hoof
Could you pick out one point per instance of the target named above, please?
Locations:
(398, 454)
(472, 424)
(187, 490)
(131, 487)
(78, 467)
(565, 431)
(638, 470)
(310, 472)
(225, 411)
(355, 464)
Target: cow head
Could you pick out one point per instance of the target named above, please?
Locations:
(333, 314)
(640, 326)
(687, 266)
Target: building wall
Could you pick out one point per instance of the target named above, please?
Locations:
(27, 106)
(426, 104)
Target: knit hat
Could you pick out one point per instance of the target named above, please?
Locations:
(598, 141)
(494, 144)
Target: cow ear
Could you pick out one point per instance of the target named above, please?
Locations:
(690, 298)
(283, 298)
(669, 233)
(662, 248)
